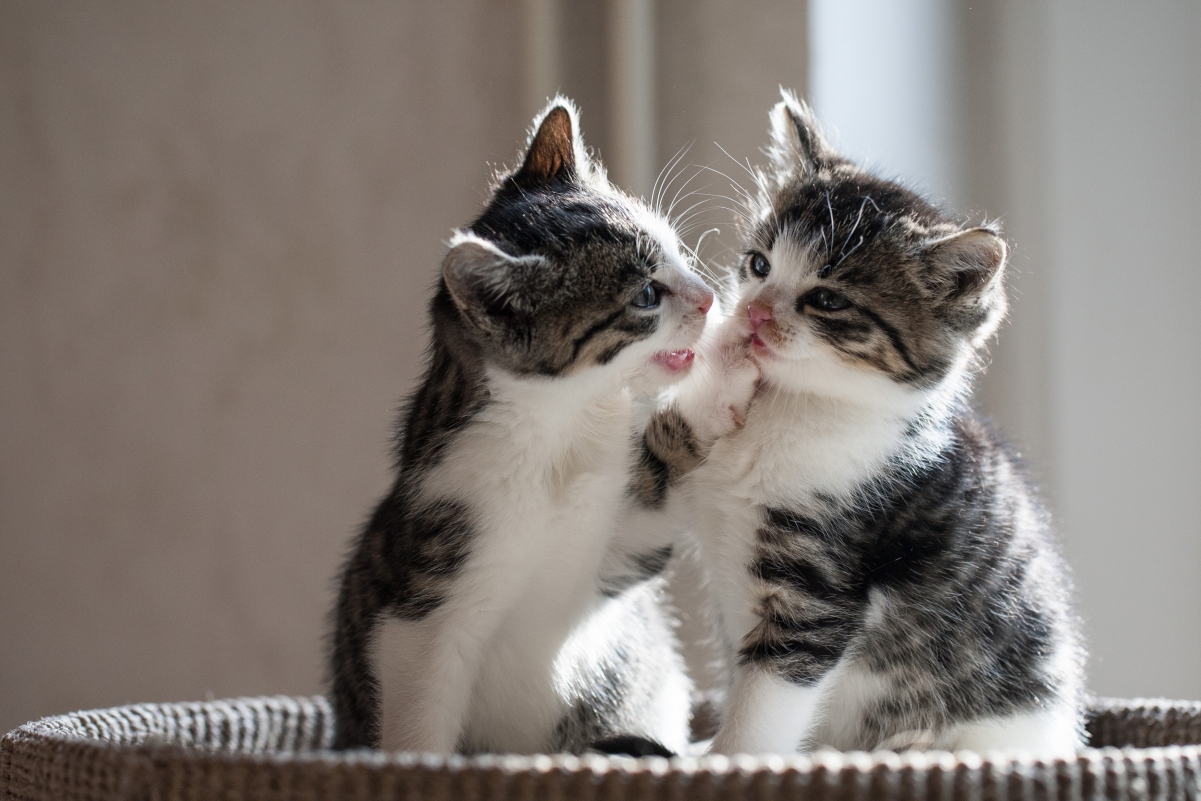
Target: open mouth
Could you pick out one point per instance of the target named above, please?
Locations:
(675, 360)
(759, 346)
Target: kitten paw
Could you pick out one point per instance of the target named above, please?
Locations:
(733, 380)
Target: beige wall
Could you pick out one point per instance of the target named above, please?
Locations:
(218, 224)
(1085, 120)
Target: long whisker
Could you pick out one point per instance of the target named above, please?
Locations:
(707, 198)
(733, 183)
(756, 175)
(684, 215)
(701, 241)
(667, 177)
(746, 166)
(676, 198)
(739, 206)
(663, 173)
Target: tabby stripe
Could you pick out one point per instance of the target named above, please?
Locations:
(582, 340)
(894, 336)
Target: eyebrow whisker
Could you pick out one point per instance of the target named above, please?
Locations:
(830, 206)
(854, 227)
(843, 257)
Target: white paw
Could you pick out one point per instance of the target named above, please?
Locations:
(729, 385)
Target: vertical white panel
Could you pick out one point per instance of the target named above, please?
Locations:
(882, 82)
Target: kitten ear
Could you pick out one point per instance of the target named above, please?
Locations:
(969, 262)
(556, 150)
(797, 141)
(481, 277)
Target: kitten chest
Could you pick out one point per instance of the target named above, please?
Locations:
(800, 454)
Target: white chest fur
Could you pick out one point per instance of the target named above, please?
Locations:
(793, 450)
(543, 471)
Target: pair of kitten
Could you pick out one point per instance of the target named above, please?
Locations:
(882, 571)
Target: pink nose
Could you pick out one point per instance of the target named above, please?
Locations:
(706, 301)
(759, 315)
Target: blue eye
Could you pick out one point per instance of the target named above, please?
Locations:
(760, 265)
(647, 297)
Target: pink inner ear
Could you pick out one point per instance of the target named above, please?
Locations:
(553, 148)
(973, 256)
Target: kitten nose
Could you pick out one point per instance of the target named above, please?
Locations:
(759, 315)
(706, 301)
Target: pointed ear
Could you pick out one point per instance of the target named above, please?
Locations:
(556, 150)
(482, 279)
(968, 262)
(797, 142)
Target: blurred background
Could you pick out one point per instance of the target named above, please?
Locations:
(219, 224)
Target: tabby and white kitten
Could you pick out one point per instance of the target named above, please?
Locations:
(883, 570)
(484, 607)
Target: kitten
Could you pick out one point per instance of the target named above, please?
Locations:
(486, 605)
(883, 570)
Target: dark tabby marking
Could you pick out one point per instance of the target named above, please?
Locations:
(966, 626)
(631, 746)
(640, 567)
(407, 554)
(669, 451)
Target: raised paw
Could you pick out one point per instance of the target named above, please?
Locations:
(738, 380)
(718, 402)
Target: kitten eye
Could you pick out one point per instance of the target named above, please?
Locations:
(647, 297)
(826, 300)
(760, 265)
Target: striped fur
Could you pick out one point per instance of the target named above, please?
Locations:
(885, 574)
(486, 606)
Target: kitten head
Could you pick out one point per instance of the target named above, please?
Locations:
(852, 285)
(562, 273)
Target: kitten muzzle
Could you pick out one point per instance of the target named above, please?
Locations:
(759, 347)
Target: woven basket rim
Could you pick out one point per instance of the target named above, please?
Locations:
(59, 729)
(277, 749)
(862, 762)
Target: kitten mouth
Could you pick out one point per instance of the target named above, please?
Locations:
(759, 345)
(675, 360)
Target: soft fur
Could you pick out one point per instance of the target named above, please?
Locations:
(487, 606)
(883, 569)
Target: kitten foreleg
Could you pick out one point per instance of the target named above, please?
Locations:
(424, 685)
(766, 714)
(426, 672)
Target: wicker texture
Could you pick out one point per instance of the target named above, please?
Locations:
(271, 749)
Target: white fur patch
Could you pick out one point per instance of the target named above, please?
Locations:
(765, 715)
(543, 470)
